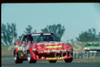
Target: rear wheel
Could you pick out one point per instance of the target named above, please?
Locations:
(69, 60)
(30, 60)
(17, 59)
(52, 61)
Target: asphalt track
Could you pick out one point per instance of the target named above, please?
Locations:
(7, 61)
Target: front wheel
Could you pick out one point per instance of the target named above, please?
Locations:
(17, 59)
(30, 60)
(69, 60)
(52, 61)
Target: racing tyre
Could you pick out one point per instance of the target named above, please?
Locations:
(17, 59)
(30, 60)
(52, 61)
(69, 60)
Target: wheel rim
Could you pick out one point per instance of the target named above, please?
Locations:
(28, 58)
(15, 57)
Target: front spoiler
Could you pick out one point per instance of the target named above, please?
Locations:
(51, 58)
(57, 58)
(49, 55)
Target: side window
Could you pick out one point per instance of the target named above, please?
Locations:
(24, 39)
(29, 38)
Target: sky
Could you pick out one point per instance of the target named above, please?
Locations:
(75, 17)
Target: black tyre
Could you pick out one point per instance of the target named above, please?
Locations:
(52, 61)
(69, 60)
(17, 59)
(30, 60)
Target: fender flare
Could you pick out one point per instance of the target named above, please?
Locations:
(32, 53)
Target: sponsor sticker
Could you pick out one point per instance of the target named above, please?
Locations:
(47, 34)
(54, 58)
(92, 51)
(35, 34)
(19, 48)
(53, 46)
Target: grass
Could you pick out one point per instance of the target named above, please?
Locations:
(7, 50)
(96, 59)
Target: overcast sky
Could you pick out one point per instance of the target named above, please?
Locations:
(76, 17)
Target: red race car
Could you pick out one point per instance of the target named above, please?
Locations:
(42, 46)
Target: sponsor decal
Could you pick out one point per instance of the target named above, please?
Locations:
(49, 43)
(53, 46)
(19, 48)
(35, 34)
(54, 58)
(47, 34)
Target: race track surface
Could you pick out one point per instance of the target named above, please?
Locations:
(7, 61)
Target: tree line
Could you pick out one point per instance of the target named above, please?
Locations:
(89, 35)
(9, 33)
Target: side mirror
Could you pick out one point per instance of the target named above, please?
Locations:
(16, 43)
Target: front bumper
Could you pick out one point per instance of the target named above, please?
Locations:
(57, 58)
(52, 58)
(53, 54)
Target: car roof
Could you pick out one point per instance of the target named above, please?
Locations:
(92, 43)
(38, 33)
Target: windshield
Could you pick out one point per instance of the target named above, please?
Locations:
(43, 37)
(92, 45)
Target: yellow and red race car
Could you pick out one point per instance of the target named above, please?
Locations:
(42, 46)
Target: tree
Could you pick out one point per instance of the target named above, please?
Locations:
(14, 31)
(72, 40)
(56, 29)
(8, 32)
(28, 29)
(89, 35)
(83, 36)
(3, 34)
(99, 36)
(19, 38)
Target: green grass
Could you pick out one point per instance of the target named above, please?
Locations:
(7, 50)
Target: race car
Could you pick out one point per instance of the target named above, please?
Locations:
(92, 47)
(42, 46)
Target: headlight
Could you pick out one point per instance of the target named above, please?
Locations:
(84, 48)
(87, 48)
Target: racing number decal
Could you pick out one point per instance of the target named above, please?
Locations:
(19, 48)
